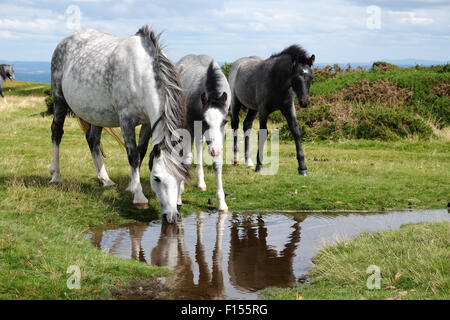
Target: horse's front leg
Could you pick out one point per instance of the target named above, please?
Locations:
(200, 173)
(129, 136)
(248, 123)
(262, 137)
(291, 118)
(220, 194)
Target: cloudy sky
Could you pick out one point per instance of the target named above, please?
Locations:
(334, 30)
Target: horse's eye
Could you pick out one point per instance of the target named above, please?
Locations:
(157, 179)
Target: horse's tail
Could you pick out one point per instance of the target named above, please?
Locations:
(85, 126)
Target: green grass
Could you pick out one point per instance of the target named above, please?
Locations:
(414, 264)
(42, 226)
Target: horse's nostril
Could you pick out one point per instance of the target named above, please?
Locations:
(169, 218)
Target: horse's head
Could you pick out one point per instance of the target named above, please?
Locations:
(301, 80)
(213, 122)
(165, 184)
(7, 71)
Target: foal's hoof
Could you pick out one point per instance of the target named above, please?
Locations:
(235, 164)
(251, 167)
(258, 168)
(179, 206)
(223, 211)
(303, 172)
(141, 206)
(202, 188)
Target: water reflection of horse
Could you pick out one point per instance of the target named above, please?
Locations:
(253, 264)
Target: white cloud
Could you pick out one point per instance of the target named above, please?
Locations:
(410, 17)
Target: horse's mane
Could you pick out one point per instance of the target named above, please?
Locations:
(296, 52)
(174, 111)
(213, 78)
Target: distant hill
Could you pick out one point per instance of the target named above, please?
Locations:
(39, 71)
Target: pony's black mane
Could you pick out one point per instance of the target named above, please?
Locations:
(296, 52)
(172, 96)
(213, 78)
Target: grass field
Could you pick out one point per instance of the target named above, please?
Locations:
(42, 226)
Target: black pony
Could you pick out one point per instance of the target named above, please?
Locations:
(263, 86)
(6, 71)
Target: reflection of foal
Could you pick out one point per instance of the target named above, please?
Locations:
(253, 265)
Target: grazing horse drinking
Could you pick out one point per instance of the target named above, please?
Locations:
(6, 71)
(109, 82)
(263, 86)
(207, 100)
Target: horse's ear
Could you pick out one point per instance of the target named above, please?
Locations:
(204, 99)
(223, 98)
(311, 60)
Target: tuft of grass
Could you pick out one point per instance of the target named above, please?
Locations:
(414, 264)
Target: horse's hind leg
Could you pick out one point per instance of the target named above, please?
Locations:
(200, 174)
(59, 116)
(129, 136)
(93, 137)
(3, 96)
(235, 108)
(248, 123)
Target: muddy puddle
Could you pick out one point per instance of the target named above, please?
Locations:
(235, 255)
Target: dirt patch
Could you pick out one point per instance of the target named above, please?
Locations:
(155, 290)
(441, 90)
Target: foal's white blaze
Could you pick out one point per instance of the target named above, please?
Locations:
(215, 133)
(166, 187)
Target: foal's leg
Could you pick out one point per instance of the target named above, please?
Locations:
(248, 123)
(217, 165)
(291, 118)
(3, 96)
(262, 136)
(235, 108)
(129, 136)
(59, 115)
(200, 174)
(93, 137)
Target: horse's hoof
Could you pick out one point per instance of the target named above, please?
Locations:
(303, 172)
(251, 167)
(141, 206)
(235, 164)
(223, 211)
(258, 168)
(202, 188)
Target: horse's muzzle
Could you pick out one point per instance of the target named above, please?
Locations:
(170, 217)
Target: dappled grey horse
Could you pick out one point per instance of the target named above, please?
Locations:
(109, 82)
(6, 71)
(207, 100)
(263, 86)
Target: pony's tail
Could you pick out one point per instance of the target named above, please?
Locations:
(85, 126)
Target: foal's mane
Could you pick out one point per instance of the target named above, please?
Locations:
(296, 52)
(213, 78)
(172, 96)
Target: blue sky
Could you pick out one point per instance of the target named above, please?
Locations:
(336, 31)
